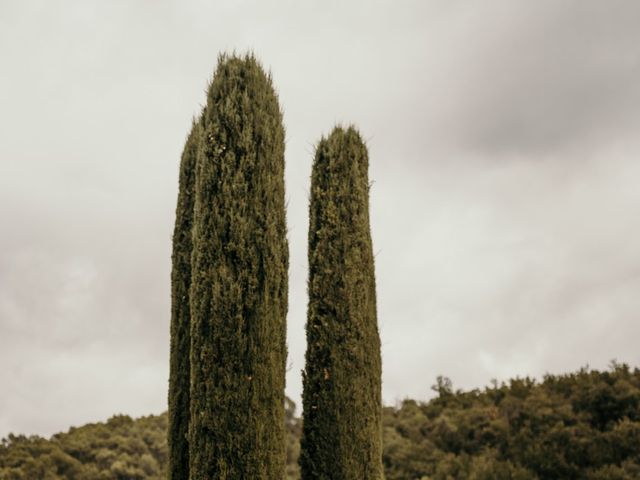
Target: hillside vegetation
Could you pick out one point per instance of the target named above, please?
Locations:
(584, 425)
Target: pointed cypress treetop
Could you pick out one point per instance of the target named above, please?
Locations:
(342, 411)
(239, 283)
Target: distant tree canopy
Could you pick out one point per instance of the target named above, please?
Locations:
(584, 425)
(121, 448)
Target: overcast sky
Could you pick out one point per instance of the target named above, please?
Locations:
(505, 153)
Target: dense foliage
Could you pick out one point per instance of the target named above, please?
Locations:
(121, 448)
(238, 292)
(342, 428)
(584, 425)
(179, 369)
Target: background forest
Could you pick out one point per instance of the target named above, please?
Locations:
(584, 425)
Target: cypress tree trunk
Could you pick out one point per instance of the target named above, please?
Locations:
(342, 410)
(239, 281)
(179, 368)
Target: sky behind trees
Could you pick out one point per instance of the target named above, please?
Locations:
(505, 208)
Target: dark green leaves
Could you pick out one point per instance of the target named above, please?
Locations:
(342, 436)
(239, 280)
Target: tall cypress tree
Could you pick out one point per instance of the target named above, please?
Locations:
(239, 281)
(342, 429)
(179, 369)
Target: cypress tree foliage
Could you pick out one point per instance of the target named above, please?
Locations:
(239, 283)
(179, 369)
(342, 410)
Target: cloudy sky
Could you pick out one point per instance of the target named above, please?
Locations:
(504, 143)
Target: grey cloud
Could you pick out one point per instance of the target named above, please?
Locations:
(536, 76)
(489, 264)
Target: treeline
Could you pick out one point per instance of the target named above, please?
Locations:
(584, 425)
(121, 448)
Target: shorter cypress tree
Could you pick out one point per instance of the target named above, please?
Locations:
(342, 410)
